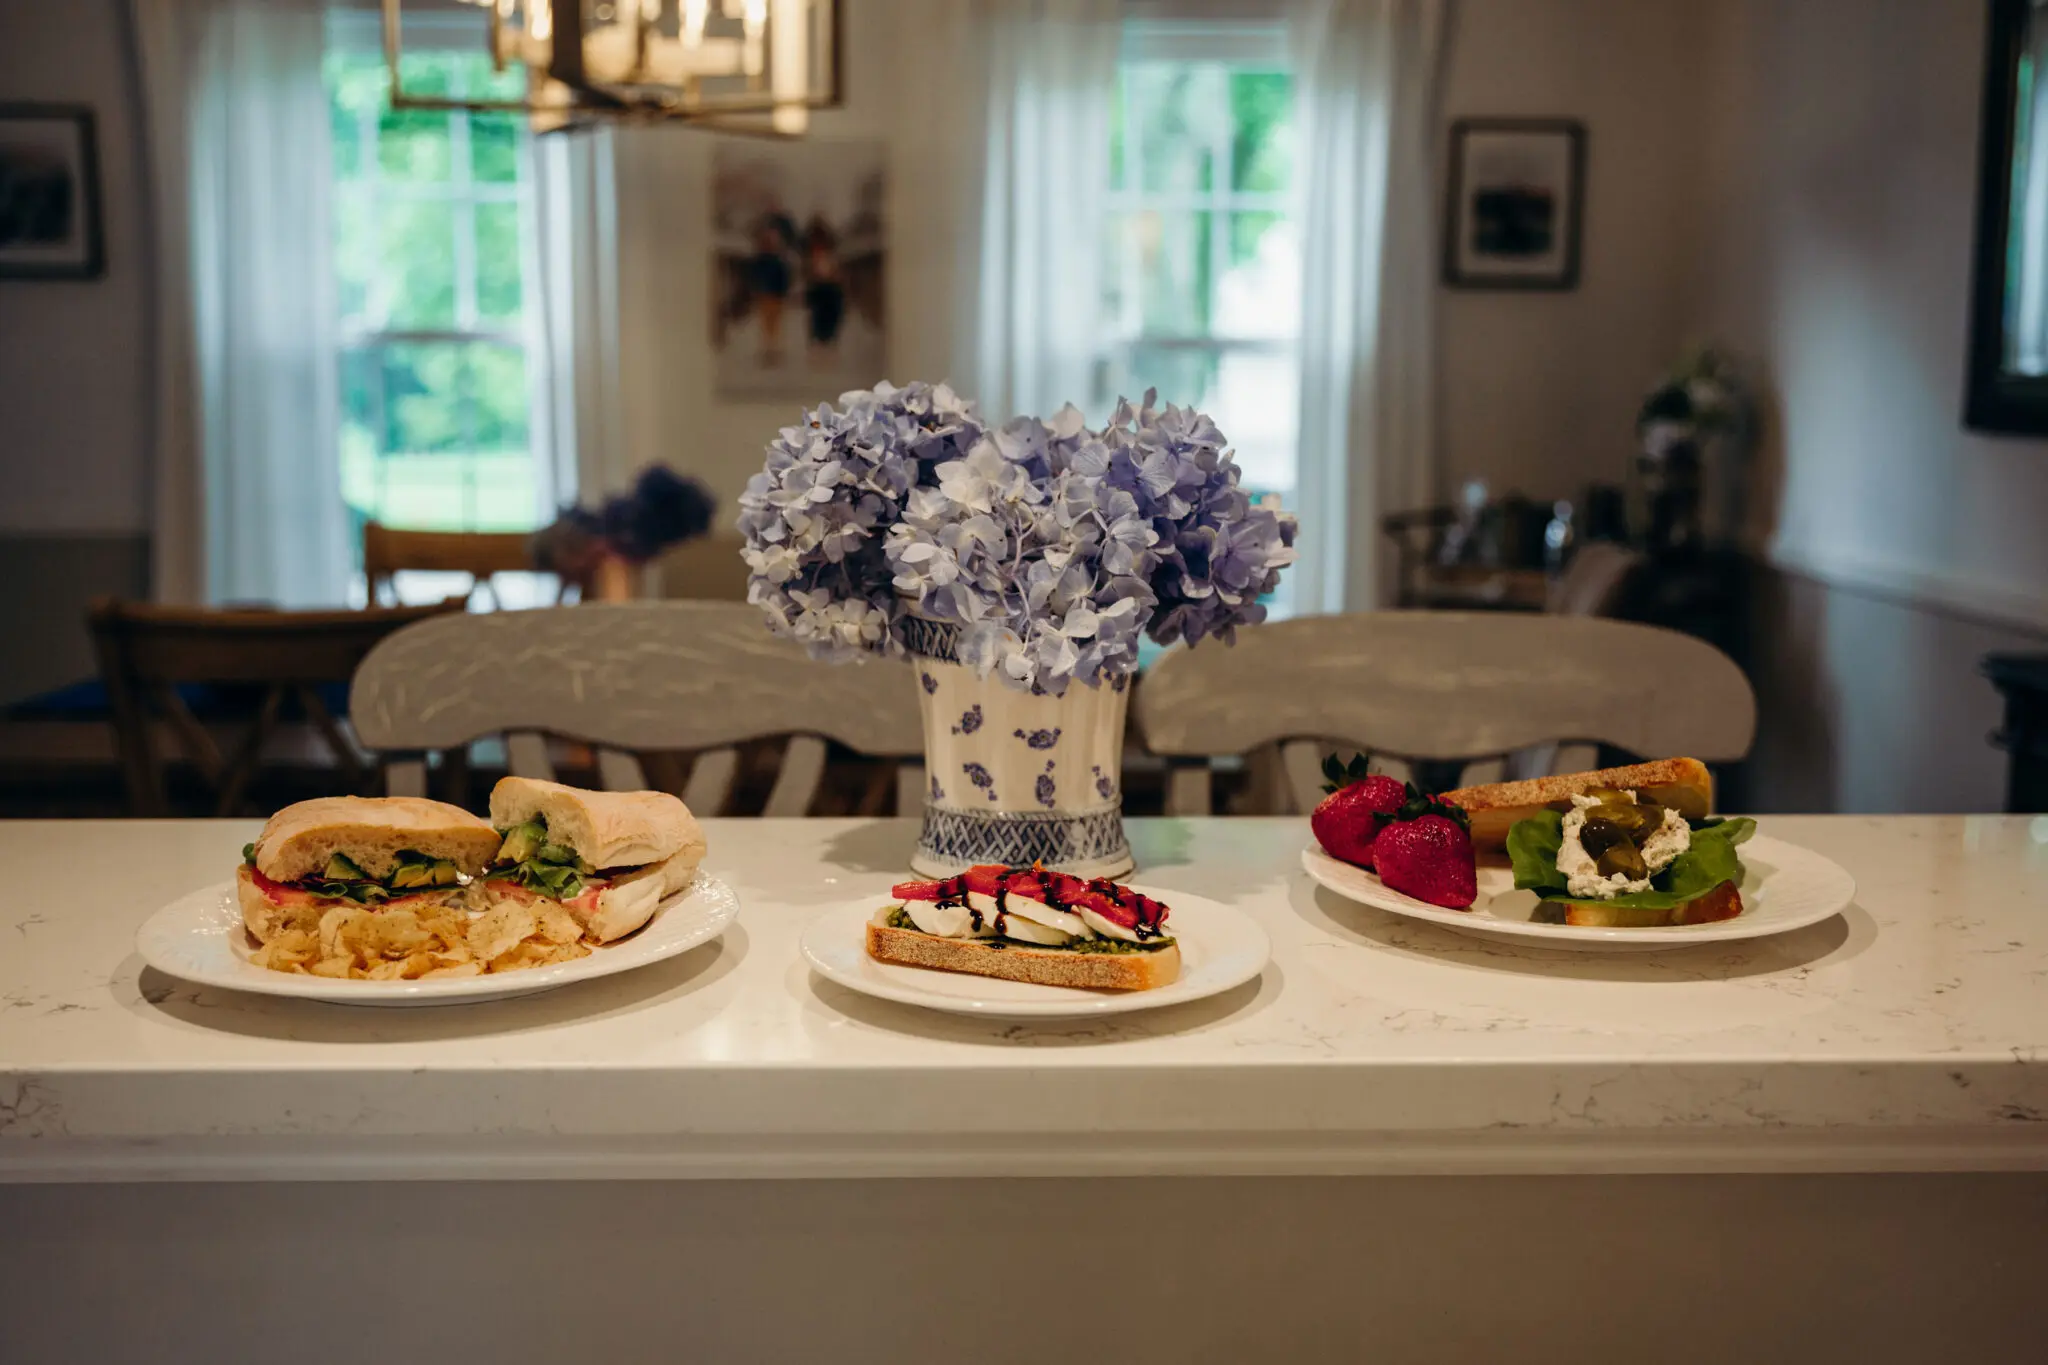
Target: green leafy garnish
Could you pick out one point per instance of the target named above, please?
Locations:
(1337, 774)
(548, 869)
(1533, 846)
(362, 893)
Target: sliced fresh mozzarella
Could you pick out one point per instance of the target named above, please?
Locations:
(1015, 906)
(1107, 927)
(948, 921)
(1013, 925)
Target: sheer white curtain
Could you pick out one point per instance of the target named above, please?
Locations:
(1367, 78)
(579, 417)
(1047, 70)
(248, 501)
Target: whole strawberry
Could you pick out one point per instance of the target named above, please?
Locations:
(1425, 851)
(1358, 804)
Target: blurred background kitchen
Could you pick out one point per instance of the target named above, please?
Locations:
(1662, 309)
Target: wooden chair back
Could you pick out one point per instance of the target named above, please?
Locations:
(647, 682)
(1420, 685)
(707, 569)
(146, 651)
(388, 550)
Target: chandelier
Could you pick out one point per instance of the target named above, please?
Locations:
(745, 66)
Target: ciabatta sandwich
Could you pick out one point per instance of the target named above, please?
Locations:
(1682, 784)
(609, 858)
(357, 850)
(1028, 925)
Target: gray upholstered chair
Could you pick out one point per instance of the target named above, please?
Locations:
(1436, 686)
(635, 679)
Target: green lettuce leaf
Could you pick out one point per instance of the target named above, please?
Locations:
(1533, 845)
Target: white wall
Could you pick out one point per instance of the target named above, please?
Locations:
(74, 368)
(1539, 390)
(74, 355)
(1845, 186)
(672, 411)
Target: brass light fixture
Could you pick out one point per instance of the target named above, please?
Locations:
(746, 66)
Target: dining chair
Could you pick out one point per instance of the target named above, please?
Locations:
(390, 550)
(645, 682)
(708, 568)
(150, 656)
(1439, 688)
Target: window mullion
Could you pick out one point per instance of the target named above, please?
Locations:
(1224, 137)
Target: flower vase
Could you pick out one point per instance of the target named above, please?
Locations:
(1017, 777)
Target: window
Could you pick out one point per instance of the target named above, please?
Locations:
(433, 235)
(1202, 277)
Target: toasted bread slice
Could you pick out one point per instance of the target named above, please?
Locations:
(1684, 784)
(1015, 962)
(1723, 902)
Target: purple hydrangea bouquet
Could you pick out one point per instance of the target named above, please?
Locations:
(1020, 566)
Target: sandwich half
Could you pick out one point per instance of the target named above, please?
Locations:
(371, 851)
(609, 858)
(1681, 784)
(1029, 925)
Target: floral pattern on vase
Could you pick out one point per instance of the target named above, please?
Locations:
(1012, 806)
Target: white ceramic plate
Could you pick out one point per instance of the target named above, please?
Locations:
(1219, 948)
(201, 938)
(1784, 887)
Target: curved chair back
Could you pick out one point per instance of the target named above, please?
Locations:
(634, 678)
(1439, 686)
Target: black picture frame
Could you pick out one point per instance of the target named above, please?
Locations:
(1996, 399)
(1561, 270)
(69, 127)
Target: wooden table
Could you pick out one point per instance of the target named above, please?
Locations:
(1401, 1143)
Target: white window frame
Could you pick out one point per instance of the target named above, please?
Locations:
(1253, 45)
(361, 31)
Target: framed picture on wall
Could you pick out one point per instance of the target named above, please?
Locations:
(799, 267)
(1517, 194)
(49, 193)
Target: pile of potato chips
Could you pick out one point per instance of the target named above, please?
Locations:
(404, 943)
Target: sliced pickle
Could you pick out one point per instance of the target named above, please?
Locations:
(1637, 822)
(1623, 858)
(1608, 796)
(1601, 833)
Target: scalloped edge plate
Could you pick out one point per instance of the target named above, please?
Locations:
(1784, 887)
(1220, 947)
(200, 938)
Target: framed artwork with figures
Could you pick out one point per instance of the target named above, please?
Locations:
(49, 193)
(1516, 200)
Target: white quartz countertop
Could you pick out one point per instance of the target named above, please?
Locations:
(1909, 1033)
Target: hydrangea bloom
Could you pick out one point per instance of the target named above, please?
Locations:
(1050, 546)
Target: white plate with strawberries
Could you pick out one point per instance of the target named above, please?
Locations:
(1784, 887)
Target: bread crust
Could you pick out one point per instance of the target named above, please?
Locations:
(297, 841)
(1681, 783)
(607, 829)
(1015, 962)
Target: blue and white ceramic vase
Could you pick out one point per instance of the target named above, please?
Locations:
(1017, 778)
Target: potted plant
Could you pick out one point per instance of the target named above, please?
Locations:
(1019, 566)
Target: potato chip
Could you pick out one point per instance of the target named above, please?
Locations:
(397, 933)
(557, 925)
(343, 929)
(338, 967)
(498, 931)
(458, 969)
